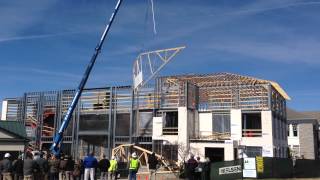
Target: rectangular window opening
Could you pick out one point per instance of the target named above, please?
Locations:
(295, 130)
(251, 125)
(170, 126)
(221, 123)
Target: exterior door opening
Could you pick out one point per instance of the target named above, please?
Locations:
(214, 154)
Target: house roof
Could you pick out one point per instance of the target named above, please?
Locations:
(14, 127)
(227, 79)
(302, 121)
(301, 115)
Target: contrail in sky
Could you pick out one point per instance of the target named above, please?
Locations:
(18, 38)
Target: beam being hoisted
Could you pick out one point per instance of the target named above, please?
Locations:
(145, 67)
(148, 64)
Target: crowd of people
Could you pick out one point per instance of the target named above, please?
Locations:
(36, 166)
(195, 169)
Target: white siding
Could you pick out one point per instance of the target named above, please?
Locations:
(236, 129)
(205, 121)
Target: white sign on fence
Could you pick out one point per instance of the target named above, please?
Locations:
(249, 163)
(230, 170)
(249, 167)
(249, 173)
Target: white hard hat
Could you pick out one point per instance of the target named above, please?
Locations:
(7, 155)
(134, 155)
(113, 158)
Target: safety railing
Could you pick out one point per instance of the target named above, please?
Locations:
(170, 131)
(251, 132)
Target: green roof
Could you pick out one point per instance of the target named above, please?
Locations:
(14, 127)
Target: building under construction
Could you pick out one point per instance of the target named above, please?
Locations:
(222, 116)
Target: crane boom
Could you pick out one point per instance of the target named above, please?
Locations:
(55, 147)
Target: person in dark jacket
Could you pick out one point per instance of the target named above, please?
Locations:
(69, 168)
(17, 168)
(104, 165)
(191, 166)
(152, 162)
(43, 168)
(90, 163)
(54, 168)
(206, 170)
(62, 167)
(6, 167)
(82, 169)
(77, 171)
(29, 167)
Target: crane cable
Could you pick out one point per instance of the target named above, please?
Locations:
(146, 20)
(153, 19)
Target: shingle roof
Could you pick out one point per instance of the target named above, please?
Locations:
(292, 114)
(14, 127)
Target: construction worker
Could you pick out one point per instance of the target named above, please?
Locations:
(113, 168)
(6, 167)
(134, 165)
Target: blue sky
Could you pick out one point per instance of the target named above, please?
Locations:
(46, 44)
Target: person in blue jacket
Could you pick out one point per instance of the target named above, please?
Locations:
(90, 163)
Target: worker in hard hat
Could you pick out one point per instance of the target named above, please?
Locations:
(134, 165)
(113, 168)
(6, 167)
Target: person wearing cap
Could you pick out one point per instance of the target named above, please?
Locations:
(17, 168)
(6, 167)
(113, 168)
(134, 165)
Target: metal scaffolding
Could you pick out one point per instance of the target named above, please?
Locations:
(102, 121)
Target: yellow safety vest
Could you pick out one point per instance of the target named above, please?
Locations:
(134, 164)
(113, 166)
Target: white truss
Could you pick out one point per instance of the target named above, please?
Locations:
(148, 64)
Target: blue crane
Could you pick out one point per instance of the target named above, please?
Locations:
(55, 147)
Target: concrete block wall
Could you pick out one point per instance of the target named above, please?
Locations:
(306, 139)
